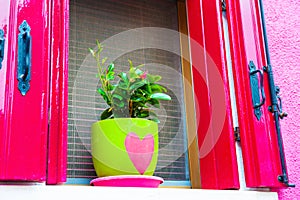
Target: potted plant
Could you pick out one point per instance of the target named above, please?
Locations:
(125, 139)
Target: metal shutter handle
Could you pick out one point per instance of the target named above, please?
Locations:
(24, 58)
(2, 42)
(257, 99)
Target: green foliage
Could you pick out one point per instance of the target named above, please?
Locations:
(133, 95)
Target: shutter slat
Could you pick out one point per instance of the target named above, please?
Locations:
(218, 164)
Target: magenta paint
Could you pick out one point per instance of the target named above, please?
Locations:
(283, 28)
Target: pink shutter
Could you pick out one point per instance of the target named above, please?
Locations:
(218, 165)
(4, 28)
(58, 127)
(24, 119)
(257, 131)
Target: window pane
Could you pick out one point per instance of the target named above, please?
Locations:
(102, 20)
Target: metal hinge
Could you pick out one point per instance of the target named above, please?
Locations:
(236, 131)
(278, 106)
(223, 3)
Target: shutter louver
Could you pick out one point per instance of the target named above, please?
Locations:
(218, 165)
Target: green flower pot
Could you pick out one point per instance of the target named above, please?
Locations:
(124, 146)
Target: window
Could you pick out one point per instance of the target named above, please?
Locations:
(136, 30)
(200, 113)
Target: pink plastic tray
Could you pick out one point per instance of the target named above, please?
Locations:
(128, 181)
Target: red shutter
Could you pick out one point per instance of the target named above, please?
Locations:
(257, 131)
(218, 165)
(24, 118)
(58, 127)
(4, 30)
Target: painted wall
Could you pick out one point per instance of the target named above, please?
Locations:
(283, 26)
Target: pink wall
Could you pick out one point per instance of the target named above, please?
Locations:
(283, 26)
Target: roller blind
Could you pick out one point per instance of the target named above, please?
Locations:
(106, 20)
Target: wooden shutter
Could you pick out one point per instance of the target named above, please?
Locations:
(4, 30)
(257, 128)
(218, 165)
(24, 118)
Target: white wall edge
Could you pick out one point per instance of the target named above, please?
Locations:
(39, 192)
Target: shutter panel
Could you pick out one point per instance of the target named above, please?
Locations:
(218, 165)
(58, 126)
(24, 117)
(257, 129)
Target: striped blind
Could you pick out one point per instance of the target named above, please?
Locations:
(104, 20)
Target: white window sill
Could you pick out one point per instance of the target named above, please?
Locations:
(40, 192)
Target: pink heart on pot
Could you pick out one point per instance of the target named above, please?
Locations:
(140, 151)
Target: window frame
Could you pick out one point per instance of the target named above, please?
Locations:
(60, 114)
(59, 91)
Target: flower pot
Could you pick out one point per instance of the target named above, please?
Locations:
(124, 146)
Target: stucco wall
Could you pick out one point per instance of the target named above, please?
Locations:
(283, 26)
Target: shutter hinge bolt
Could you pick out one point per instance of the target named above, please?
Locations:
(223, 3)
(237, 134)
(284, 179)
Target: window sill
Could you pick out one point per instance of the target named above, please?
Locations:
(39, 192)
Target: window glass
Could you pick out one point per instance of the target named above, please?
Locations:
(108, 20)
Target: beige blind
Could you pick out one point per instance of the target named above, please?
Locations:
(106, 20)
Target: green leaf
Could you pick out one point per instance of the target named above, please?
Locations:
(130, 64)
(153, 114)
(148, 88)
(136, 85)
(110, 87)
(104, 60)
(154, 102)
(92, 51)
(138, 98)
(124, 77)
(153, 78)
(106, 113)
(111, 67)
(154, 117)
(143, 114)
(100, 46)
(119, 97)
(140, 104)
(110, 75)
(155, 120)
(157, 88)
(103, 94)
(139, 72)
(101, 91)
(119, 104)
(132, 75)
(160, 96)
(139, 66)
